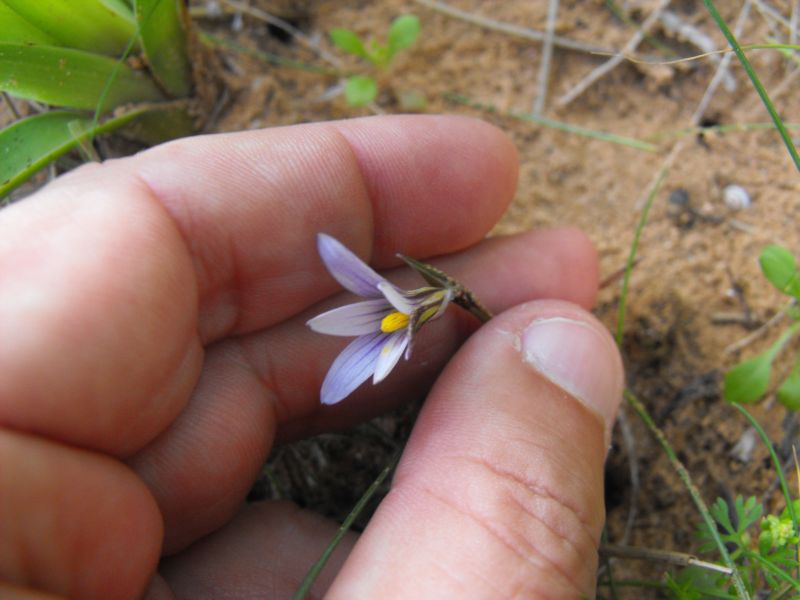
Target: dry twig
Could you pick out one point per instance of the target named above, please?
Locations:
(615, 60)
(668, 556)
(510, 29)
(676, 25)
(629, 441)
(287, 27)
(547, 54)
(749, 339)
(722, 67)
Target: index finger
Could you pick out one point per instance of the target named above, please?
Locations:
(250, 204)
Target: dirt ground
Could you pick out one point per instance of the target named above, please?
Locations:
(697, 289)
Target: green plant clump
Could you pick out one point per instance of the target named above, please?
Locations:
(103, 63)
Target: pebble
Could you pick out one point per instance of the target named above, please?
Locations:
(736, 197)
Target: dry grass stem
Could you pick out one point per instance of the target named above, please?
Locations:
(547, 54)
(687, 32)
(722, 67)
(668, 556)
(615, 60)
(513, 30)
(749, 339)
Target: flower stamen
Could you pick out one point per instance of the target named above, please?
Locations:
(394, 321)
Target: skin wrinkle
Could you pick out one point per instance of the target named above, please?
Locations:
(520, 546)
(541, 492)
(545, 565)
(184, 227)
(339, 177)
(265, 373)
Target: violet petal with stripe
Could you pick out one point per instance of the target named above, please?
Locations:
(352, 367)
(353, 319)
(347, 268)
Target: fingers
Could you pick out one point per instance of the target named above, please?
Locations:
(499, 492)
(103, 271)
(98, 315)
(250, 204)
(265, 551)
(75, 524)
(200, 469)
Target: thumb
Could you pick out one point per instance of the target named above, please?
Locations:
(500, 491)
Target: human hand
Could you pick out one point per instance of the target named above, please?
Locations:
(153, 349)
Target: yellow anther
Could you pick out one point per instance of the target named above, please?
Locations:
(393, 322)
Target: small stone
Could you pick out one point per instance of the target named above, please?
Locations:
(736, 197)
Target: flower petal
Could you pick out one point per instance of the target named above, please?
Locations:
(352, 367)
(347, 268)
(390, 353)
(354, 319)
(396, 296)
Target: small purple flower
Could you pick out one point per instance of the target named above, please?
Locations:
(385, 324)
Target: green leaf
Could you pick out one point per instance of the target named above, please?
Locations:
(749, 380)
(29, 144)
(347, 40)
(360, 90)
(780, 268)
(161, 24)
(789, 390)
(403, 33)
(161, 123)
(101, 26)
(71, 78)
(13, 28)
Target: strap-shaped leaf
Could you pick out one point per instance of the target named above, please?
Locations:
(14, 28)
(102, 26)
(29, 144)
(71, 78)
(163, 36)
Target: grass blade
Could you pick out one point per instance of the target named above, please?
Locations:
(103, 26)
(13, 28)
(29, 144)
(697, 498)
(773, 113)
(316, 568)
(71, 78)
(623, 298)
(163, 36)
(776, 462)
(558, 125)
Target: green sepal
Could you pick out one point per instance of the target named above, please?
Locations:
(101, 26)
(71, 78)
(163, 37)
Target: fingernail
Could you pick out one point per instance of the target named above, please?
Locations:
(579, 358)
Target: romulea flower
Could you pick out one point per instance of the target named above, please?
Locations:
(386, 324)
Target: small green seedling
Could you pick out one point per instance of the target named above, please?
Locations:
(362, 89)
(749, 380)
(763, 549)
